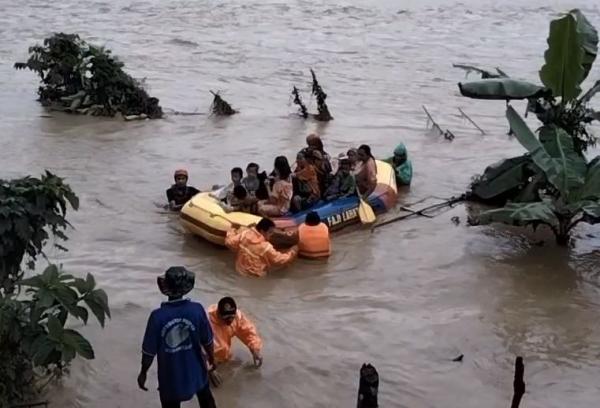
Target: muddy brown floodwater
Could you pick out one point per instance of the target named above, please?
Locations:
(410, 296)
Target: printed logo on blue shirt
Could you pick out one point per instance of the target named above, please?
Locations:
(177, 335)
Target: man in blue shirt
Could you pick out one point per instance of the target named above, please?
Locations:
(177, 333)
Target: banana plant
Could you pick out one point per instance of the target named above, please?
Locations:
(557, 102)
(572, 194)
(572, 50)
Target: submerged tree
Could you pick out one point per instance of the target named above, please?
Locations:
(553, 184)
(298, 101)
(220, 107)
(323, 111)
(78, 77)
(35, 343)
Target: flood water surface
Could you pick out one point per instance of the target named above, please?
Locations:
(408, 297)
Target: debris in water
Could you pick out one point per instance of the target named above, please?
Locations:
(322, 108)
(458, 359)
(298, 101)
(220, 107)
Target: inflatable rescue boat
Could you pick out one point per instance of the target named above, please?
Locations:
(204, 217)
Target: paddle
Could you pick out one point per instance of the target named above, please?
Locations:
(365, 212)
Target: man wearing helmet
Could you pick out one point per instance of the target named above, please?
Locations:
(180, 193)
(179, 335)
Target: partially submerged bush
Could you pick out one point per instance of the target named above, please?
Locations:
(78, 77)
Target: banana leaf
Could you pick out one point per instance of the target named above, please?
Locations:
(559, 145)
(563, 71)
(588, 37)
(521, 214)
(565, 172)
(591, 188)
(501, 89)
(501, 180)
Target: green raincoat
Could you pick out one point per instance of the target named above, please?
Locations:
(403, 171)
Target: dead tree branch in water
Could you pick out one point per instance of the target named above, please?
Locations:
(471, 120)
(519, 383)
(298, 101)
(448, 135)
(322, 108)
(220, 107)
(368, 387)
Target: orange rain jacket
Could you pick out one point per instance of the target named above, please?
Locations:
(242, 328)
(254, 253)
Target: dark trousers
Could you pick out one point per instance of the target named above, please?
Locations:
(205, 399)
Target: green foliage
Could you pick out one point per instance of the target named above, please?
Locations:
(35, 341)
(572, 49)
(572, 194)
(30, 210)
(563, 71)
(81, 78)
(501, 89)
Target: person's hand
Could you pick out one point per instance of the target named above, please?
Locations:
(214, 378)
(142, 381)
(258, 360)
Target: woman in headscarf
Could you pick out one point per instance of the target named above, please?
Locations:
(366, 174)
(402, 166)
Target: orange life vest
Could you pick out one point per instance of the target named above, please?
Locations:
(313, 241)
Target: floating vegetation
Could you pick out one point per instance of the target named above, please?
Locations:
(78, 77)
(220, 107)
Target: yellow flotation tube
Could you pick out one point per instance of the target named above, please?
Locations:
(203, 216)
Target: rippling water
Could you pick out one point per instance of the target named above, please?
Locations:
(407, 298)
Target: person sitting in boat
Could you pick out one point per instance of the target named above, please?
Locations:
(314, 142)
(352, 158)
(280, 191)
(180, 193)
(402, 166)
(306, 184)
(251, 182)
(226, 194)
(366, 173)
(322, 168)
(227, 322)
(255, 254)
(343, 184)
(240, 200)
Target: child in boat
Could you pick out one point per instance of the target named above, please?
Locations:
(343, 184)
(251, 182)
(280, 191)
(226, 194)
(180, 193)
(352, 158)
(306, 184)
(240, 200)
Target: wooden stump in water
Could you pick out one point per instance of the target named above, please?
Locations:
(368, 387)
(518, 383)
